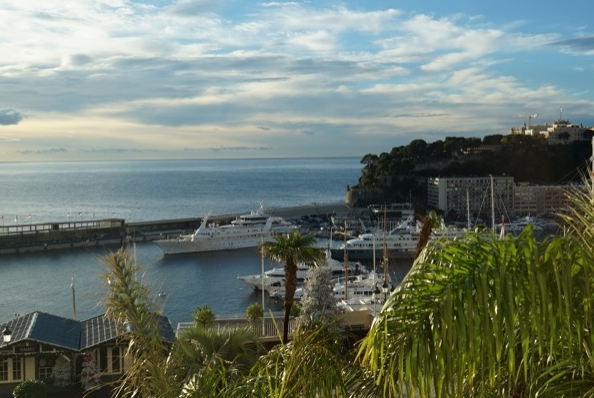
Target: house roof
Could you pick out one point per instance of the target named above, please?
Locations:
(71, 334)
(97, 330)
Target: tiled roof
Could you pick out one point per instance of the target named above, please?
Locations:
(54, 330)
(69, 333)
(45, 328)
(97, 330)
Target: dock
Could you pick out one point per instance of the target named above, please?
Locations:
(22, 238)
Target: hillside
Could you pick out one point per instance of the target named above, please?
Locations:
(400, 175)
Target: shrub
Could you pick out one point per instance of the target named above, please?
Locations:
(203, 316)
(254, 312)
(30, 389)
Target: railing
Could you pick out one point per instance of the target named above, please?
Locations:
(269, 327)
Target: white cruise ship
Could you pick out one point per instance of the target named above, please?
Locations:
(248, 230)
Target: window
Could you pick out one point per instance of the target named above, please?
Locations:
(110, 360)
(11, 370)
(45, 368)
(116, 360)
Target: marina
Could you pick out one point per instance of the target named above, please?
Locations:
(169, 234)
(153, 198)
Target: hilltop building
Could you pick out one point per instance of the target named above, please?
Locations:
(558, 132)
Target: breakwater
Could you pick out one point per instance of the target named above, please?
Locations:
(22, 238)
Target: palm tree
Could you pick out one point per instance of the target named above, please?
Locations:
(208, 360)
(316, 363)
(429, 222)
(292, 249)
(483, 316)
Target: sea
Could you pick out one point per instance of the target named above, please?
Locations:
(69, 282)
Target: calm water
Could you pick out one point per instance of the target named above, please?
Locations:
(151, 190)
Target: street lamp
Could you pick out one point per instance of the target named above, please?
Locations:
(6, 336)
(385, 289)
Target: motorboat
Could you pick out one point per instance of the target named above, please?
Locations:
(274, 278)
(366, 286)
(520, 224)
(400, 242)
(248, 230)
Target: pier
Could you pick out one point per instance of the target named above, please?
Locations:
(22, 238)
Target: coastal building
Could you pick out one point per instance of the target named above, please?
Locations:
(65, 353)
(531, 199)
(459, 196)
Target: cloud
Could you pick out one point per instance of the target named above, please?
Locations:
(161, 77)
(42, 151)
(577, 45)
(232, 148)
(10, 116)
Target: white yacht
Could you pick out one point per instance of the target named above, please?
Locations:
(274, 279)
(248, 230)
(366, 287)
(400, 242)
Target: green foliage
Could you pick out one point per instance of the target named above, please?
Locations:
(292, 249)
(484, 316)
(30, 389)
(129, 304)
(314, 364)
(254, 312)
(526, 158)
(203, 316)
(295, 310)
(209, 360)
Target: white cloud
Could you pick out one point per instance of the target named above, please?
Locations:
(203, 75)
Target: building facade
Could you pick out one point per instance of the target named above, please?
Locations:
(470, 197)
(558, 132)
(65, 353)
(459, 197)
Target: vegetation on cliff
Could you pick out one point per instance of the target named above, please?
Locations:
(401, 173)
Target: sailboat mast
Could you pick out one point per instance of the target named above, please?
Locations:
(346, 263)
(385, 250)
(492, 205)
(468, 209)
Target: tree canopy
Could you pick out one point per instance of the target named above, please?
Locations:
(401, 172)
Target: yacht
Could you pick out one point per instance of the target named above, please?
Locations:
(400, 242)
(274, 279)
(248, 230)
(366, 287)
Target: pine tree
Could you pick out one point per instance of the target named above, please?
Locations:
(89, 375)
(318, 301)
(62, 372)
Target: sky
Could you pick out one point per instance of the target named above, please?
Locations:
(195, 79)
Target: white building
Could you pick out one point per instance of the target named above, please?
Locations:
(559, 132)
(471, 195)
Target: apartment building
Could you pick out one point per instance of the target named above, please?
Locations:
(460, 196)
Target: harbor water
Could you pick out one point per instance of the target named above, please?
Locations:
(153, 190)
